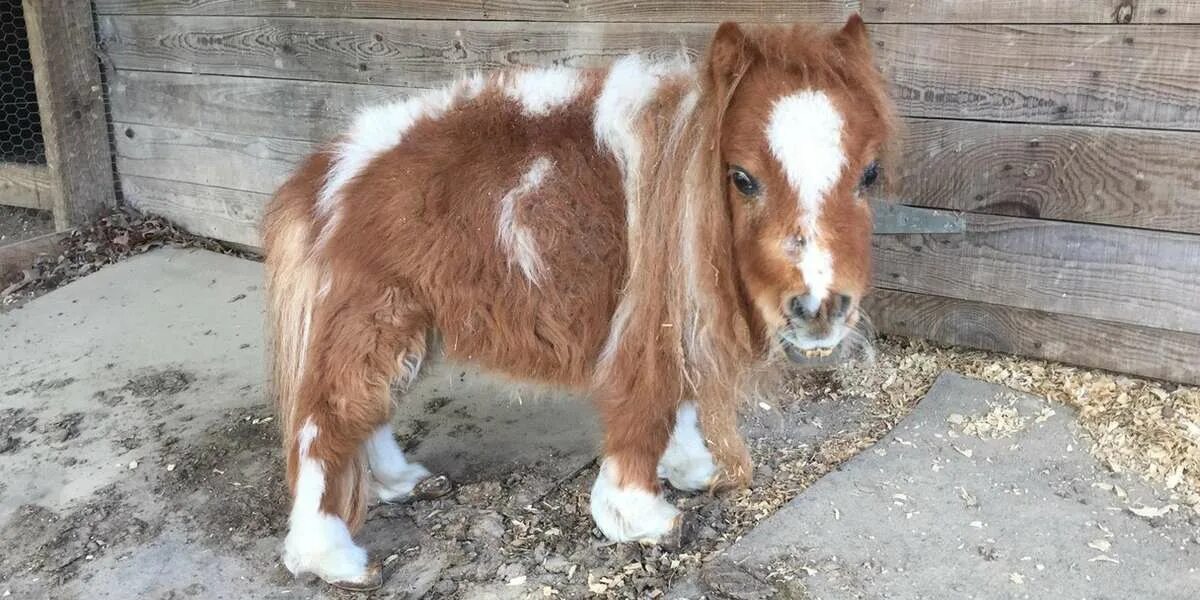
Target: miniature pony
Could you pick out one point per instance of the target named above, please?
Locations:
(645, 233)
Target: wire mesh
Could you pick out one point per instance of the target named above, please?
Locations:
(20, 127)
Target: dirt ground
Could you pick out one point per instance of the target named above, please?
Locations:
(193, 504)
(18, 224)
(501, 534)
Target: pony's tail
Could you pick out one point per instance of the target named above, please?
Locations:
(291, 289)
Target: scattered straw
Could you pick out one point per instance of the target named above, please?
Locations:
(1140, 426)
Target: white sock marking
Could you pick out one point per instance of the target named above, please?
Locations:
(318, 542)
(394, 476)
(687, 463)
(516, 239)
(629, 514)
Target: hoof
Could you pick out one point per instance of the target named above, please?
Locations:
(681, 534)
(400, 486)
(371, 580)
(432, 487)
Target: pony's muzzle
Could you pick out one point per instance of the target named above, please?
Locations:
(816, 324)
(807, 307)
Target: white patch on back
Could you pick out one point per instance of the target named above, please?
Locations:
(375, 131)
(805, 135)
(541, 91)
(687, 463)
(629, 514)
(632, 82)
(516, 239)
(318, 542)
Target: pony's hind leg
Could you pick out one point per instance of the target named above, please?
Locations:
(342, 405)
(394, 477)
(687, 464)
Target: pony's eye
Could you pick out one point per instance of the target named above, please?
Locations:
(870, 175)
(747, 185)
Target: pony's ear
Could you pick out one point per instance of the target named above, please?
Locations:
(728, 58)
(854, 33)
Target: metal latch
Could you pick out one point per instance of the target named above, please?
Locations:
(896, 219)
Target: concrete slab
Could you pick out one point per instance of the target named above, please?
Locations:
(138, 457)
(939, 509)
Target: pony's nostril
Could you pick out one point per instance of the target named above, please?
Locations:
(799, 308)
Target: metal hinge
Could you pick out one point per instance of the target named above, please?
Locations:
(896, 219)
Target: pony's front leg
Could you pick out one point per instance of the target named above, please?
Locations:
(719, 427)
(627, 501)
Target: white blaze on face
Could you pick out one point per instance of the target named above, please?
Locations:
(805, 135)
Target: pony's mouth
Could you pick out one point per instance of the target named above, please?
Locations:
(803, 348)
(799, 353)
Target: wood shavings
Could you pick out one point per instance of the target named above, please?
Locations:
(1149, 512)
(999, 422)
(1139, 426)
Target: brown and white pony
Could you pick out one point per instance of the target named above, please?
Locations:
(645, 233)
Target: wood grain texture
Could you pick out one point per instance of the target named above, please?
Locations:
(501, 10)
(220, 213)
(1079, 74)
(1129, 276)
(1138, 178)
(27, 186)
(70, 96)
(1119, 12)
(238, 162)
(282, 108)
(1129, 76)
(1074, 340)
(412, 54)
(1128, 177)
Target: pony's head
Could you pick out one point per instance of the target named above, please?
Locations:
(805, 120)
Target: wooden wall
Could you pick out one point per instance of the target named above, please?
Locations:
(1069, 132)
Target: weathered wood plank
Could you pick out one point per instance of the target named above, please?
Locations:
(239, 162)
(1070, 74)
(27, 186)
(1031, 11)
(1138, 178)
(1129, 276)
(1128, 177)
(500, 10)
(1075, 340)
(70, 95)
(282, 108)
(1080, 74)
(413, 54)
(220, 213)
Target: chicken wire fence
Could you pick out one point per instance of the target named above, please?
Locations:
(55, 139)
(21, 140)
